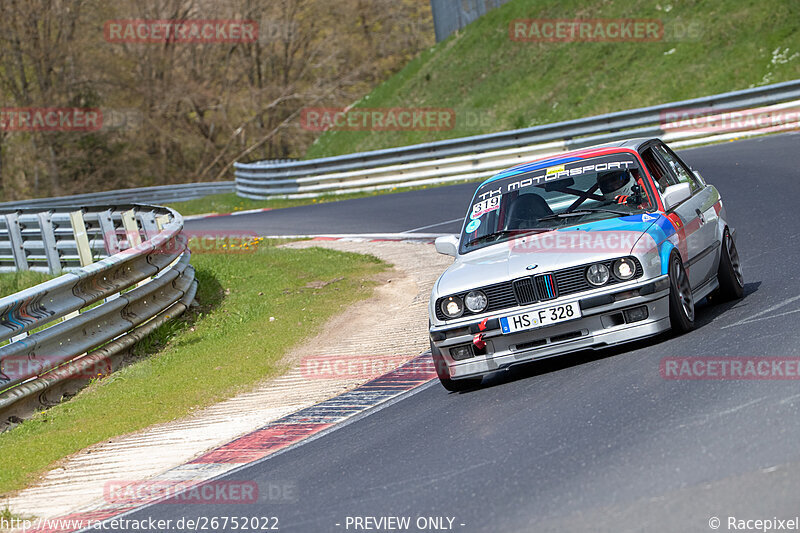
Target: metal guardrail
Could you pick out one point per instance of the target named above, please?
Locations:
(160, 194)
(142, 276)
(449, 16)
(125, 271)
(478, 156)
(439, 162)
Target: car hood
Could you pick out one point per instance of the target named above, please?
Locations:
(548, 251)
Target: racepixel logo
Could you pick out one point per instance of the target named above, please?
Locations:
(50, 119)
(20, 367)
(730, 368)
(377, 119)
(180, 31)
(586, 30)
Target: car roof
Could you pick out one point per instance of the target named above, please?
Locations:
(572, 155)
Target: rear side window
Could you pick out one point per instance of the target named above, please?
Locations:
(663, 177)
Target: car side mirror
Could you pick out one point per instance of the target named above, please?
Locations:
(447, 245)
(675, 194)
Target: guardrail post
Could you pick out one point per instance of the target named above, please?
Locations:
(17, 244)
(149, 224)
(110, 238)
(82, 243)
(49, 242)
(81, 238)
(109, 232)
(162, 221)
(131, 228)
(132, 232)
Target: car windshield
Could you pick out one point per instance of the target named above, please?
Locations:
(550, 197)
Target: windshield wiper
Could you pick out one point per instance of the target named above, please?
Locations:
(503, 233)
(494, 235)
(582, 212)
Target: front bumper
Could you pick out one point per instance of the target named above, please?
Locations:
(604, 322)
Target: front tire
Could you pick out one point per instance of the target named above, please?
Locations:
(443, 373)
(729, 274)
(681, 302)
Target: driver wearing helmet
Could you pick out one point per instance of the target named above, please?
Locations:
(620, 187)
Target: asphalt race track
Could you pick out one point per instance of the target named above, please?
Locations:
(594, 441)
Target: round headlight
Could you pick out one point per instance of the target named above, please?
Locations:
(624, 268)
(597, 274)
(452, 306)
(475, 301)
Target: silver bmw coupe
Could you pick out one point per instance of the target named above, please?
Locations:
(587, 249)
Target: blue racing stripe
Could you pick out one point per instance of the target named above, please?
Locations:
(528, 167)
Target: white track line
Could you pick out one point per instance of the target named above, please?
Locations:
(764, 312)
(434, 225)
(361, 236)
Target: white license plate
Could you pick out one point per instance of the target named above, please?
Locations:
(541, 317)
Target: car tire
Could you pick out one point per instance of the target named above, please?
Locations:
(729, 274)
(453, 385)
(681, 302)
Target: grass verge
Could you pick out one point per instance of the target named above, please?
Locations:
(222, 348)
(16, 281)
(495, 84)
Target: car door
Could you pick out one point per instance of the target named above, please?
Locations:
(697, 214)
